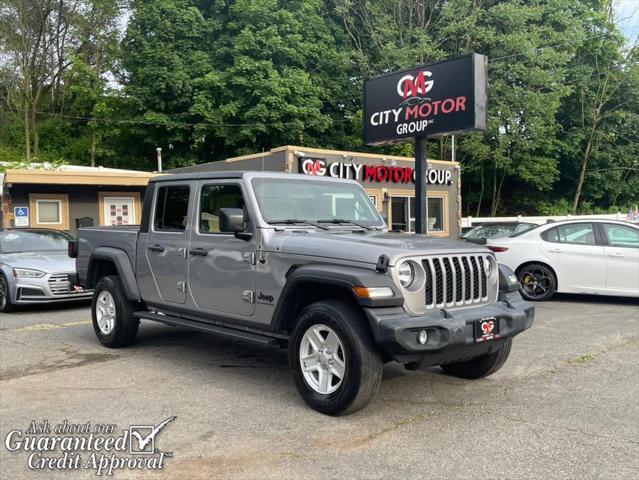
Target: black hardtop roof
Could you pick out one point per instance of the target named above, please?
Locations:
(195, 176)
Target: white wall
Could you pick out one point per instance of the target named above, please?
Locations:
(470, 221)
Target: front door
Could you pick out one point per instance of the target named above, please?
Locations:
(577, 256)
(621, 244)
(168, 239)
(221, 266)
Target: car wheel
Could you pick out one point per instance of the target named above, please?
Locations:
(481, 366)
(112, 314)
(336, 366)
(537, 282)
(6, 305)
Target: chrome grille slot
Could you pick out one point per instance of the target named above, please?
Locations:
(455, 281)
(59, 283)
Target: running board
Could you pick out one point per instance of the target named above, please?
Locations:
(210, 328)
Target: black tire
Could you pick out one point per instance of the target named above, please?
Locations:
(6, 305)
(481, 366)
(362, 364)
(125, 325)
(537, 282)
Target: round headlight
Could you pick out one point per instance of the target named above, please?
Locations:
(405, 274)
(489, 266)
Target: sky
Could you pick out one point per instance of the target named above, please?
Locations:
(627, 17)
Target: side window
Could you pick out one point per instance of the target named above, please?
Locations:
(171, 209)
(620, 236)
(550, 235)
(212, 199)
(580, 233)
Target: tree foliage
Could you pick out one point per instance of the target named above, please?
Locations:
(106, 82)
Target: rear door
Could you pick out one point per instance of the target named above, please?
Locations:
(577, 255)
(621, 244)
(168, 238)
(221, 266)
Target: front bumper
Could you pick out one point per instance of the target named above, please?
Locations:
(29, 291)
(451, 336)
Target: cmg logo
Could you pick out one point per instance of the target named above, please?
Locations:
(409, 86)
(312, 166)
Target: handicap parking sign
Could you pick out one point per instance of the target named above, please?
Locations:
(21, 216)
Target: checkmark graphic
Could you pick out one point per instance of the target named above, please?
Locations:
(143, 441)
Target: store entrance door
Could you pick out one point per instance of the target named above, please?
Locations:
(403, 214)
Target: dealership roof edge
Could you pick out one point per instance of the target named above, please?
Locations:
(77, 176)
(324, 151)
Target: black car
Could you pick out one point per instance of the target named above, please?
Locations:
(481, 233)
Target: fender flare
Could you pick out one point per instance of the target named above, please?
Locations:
(344, 277)
(120, 259)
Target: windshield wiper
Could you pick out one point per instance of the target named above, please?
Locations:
(294, 221)
(340, 221)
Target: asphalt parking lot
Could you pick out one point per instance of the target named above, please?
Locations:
(566, 405)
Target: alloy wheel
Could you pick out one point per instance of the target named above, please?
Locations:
(322, 359)
(536, 282)
(105, 312)
(4, 292)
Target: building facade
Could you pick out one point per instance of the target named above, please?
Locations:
(69, 197)
(388, 180)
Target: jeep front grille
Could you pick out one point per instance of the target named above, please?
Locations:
(59, 283)
(455, 281)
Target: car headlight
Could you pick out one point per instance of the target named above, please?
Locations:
(489, 266)
(405, 274)
(27, 273)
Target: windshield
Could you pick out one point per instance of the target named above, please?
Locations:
(16, 241)
(282, 199)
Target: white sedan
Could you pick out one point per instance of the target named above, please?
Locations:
(573, 256)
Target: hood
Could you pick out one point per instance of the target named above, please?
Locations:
(364, 247)
(49, 262)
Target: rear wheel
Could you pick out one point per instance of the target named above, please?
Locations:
(482, 366)
(6, 305)
(336, 365)
(112, 314)
(536, 282)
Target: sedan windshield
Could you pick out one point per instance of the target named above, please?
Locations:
(17, 241)
(290, 201)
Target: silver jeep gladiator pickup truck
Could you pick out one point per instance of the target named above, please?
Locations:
(307, 262)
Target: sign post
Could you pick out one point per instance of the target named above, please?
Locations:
(439, 99)
(421, 188)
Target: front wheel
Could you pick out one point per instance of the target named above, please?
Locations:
(6, 305)
(537, 282)
(481, 366)
(112, 314)
(336, 365)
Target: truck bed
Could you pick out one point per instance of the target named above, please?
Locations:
(123, 237)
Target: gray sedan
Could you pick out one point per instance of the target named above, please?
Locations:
(35, 268)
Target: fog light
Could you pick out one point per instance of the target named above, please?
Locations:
(422, 337)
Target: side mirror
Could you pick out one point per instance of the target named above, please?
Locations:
(232, 221)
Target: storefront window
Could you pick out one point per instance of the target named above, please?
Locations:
(436, 214)
(49, 211)
(399, 213)
(403, 214)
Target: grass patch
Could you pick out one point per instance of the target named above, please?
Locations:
(582, 360)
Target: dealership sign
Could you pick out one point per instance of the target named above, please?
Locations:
(371, 173)
(439, 99)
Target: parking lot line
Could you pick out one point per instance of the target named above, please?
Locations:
(50, 326)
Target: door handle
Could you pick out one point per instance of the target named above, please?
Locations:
(156, 248)
(616, 254)
(198, 252)
(554, 250)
